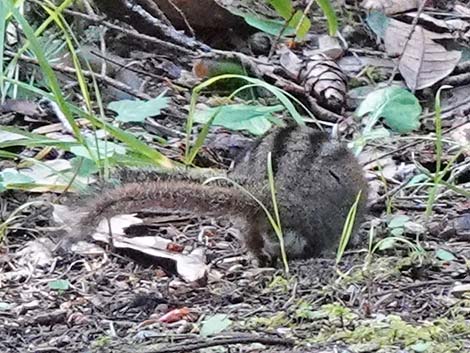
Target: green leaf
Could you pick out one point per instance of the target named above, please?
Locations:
(376, 134)
(397, 232)
(387, 243)
(445, 255)
(330, 14)
(305, 311)
(215, 324)
(272, 27)
(421, 346)
(141, 148)
(398, 221)
(399, 108)
(86, 167)
(301, 23)
(13, 177)
(5, 306)
(378, 22)
(46, 69)
(418, 179)
(137, 110)
(283, 7)
(59, 285)
(3, 26)
(253, 118)
(105, 149)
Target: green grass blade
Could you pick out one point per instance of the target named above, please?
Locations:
(200, 139)
(330, 14)
(347, 228)
(33, 140)
(278, 228)
(281, 95)
(130, 140)
(438, 148)
(46, 69)
(3, 26)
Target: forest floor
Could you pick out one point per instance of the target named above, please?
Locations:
(410, 294)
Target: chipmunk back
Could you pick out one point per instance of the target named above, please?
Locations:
(316, 181)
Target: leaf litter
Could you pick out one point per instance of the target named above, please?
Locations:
(401, 298)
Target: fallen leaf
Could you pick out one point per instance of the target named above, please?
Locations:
(460, 290)
(174, 247)
(59, 285)
(36, 252)
(53, 175)
(191, 267)
(420, 346)
(215, 324)
(174, 315)
(137, 110)
(398, 221)
(252, 118)
(390, 7)
(445, 255)
(399, 107)
(424, 62)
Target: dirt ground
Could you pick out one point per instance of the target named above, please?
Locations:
(408, 295)
(114, 303)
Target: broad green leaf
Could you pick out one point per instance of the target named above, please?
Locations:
(138, 111)
(397, 232)
(3, 27)
(5, 306)
(273, 27)
(215, 324)
(421, 347)
(105, 149)
(417, 179)
(301, 23)
(387, 243)
(283, 7)
(142, 149)
(330, 14)
(445, 255)
(86, 167)
(374, 134)
(60, 284)
(378, 22)
(399, 108)
(12, 176)
(253, 118)
(398, 221)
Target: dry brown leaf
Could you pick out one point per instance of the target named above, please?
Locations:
(424, 61)
(461, 136)
(445, 27)
(390, 7)
(191, 267)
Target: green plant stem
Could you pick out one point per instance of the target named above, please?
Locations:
(278, 229)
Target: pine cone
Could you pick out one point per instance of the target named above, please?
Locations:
(324, 80)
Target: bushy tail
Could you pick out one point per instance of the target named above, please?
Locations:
(174, 195)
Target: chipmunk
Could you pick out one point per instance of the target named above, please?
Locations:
(317, 180)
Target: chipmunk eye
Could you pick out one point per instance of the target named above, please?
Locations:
(333, 174)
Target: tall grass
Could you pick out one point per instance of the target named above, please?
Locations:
(11, 14)
(284, 97)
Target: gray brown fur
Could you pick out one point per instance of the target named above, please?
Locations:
(317, 181)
